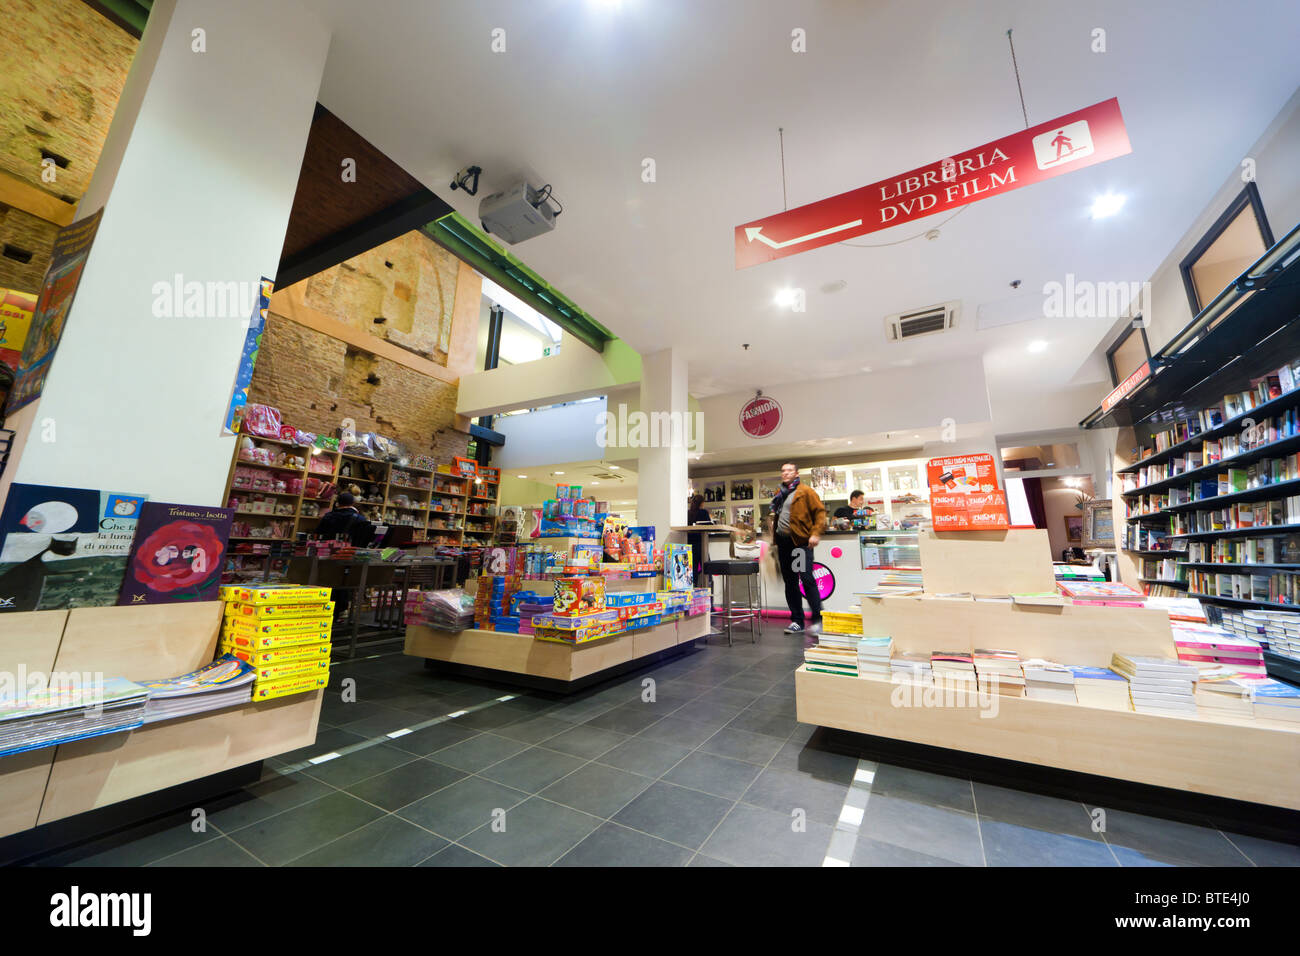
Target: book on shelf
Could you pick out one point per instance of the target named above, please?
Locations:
(1100, 687)
(1048, 680)
(69, 711)
(1275, 700)
(911, 667)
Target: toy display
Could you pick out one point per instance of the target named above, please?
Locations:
(579, 595)
(677, 567)
(261, 420)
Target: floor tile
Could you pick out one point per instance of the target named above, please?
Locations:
(138, 845)
(1129, 857)
(675, 814)
(614, 845)
(1168, 841)
(931, 789)
(730, 697)
(289, 835)
(821, 764)
(650, 758)
(221, 852)
(536, 833)
(701, 860)
(477, 753)
(720, 776)
(1036, 811)
(533, 769)
(273, 794)
(936, 831)
(533, 729)
(433, 738)
(783, 791)
(757, 722)
(627, 718)
(1006, 844)
(326, 741)
(596, 789)
(580, 711)
(405, 784)
(350, 768)
(1266, 852)
(464, 806)
(868, 852)
(584, 741)
(457, 856)
(778, 704)
(742, 745)
(705, 710)
(388, 841)
(382, 724)
(750, 836)
(672, 730)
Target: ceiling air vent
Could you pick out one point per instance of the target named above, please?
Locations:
(908, 325)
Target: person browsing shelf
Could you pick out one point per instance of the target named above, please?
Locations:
(800, 520)
(697, 515)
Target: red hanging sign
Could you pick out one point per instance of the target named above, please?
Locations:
(964, 494)
(1082, 138)
(760, 416)
(1127, 387)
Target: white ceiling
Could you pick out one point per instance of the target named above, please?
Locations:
(587, 89)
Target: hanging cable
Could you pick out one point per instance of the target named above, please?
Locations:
(785, 203)
(1019, 87)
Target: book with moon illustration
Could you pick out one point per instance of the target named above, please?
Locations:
(177, 554)
(64, 547)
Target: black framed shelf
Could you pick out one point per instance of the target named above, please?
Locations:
(1177, 584)
(1244, 602)
(1224, 564)
(1282, 667)
(1152, 554)
(1262, 493)
(1259, 529)
(1280, 447)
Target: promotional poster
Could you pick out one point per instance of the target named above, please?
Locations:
(177, 555)
(964, 494)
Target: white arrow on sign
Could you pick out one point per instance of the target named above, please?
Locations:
(756, 232)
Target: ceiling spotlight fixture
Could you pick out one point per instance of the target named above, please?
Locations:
(1038, 345)
(785, 297)
(1015, 283)
(916, 436)
(866, 368)
(614, 467)
(932, 234)
(521, 476)
(557, 472)
(1106, 205)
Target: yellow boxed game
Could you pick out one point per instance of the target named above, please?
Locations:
(279, 611)
(279, 655)
(276, 673)
(268, 690)
(252, 641)
(311, 625)
(274, 595)
(838, 622)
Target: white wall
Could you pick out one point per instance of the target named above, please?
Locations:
(204, 187)
(549, 436)
(1277, 174)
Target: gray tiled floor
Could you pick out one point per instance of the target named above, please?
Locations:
(714, 771)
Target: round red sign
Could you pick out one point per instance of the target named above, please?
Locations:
(760, 417)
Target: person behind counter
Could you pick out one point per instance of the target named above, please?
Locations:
(345, 521)
(852, 508)
(697, 515)
(800, 520)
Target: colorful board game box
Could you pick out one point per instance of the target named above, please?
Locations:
(274, 595)
(280, 655)
(579, 595)
(268, 690)
(252, 641)
(259, 612)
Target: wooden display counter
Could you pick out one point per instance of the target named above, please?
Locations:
(1256, 761)
(545, 661)
(138, 643)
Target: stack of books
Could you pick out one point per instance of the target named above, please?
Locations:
(1100, 687)
(1205, 644)
(1158, 685)
(1275, 700)
(833, 654)
(1221, 693)
(911, 667)
(873, 657)
(1113, 594)
(1048, 680)
(226, 682)
(954, 670)
(69, 711)
(999, 671)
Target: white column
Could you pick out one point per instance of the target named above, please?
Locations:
(661, 478)
(197, 179)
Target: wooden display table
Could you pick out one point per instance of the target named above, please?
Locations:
(138, 643)
(552, 665)
(1256, 761)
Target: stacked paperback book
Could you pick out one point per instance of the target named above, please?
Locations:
(911, 667)
(70, 711)
(1048, 680)
(283, 632)
(1205, 645)
(954, 670)
(1100, 687)
(1158, 685)
(833, 654)
(873, 657)
(226, 682)
(999, 671)
(1220, 692)
(1275, 700)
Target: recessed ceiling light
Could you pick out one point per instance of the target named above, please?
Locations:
(850, 443)
(521, 476)
(613, 467)
(1038, 345)
(785, 297)
(595, 482)
(1107, 205)
(866, 368)
(916, 436)
(557, 472)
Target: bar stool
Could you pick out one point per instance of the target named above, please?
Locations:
(733, 611)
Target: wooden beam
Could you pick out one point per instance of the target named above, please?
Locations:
(36, 202)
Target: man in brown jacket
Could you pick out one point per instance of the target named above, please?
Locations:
(798, 519)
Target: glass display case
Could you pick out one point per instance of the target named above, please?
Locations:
(742, 514)
(890, 549)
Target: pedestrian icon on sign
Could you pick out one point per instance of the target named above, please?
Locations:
(1063, 145)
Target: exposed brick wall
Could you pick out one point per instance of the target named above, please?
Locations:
(409, 282)
(316, 381)
(23, 231)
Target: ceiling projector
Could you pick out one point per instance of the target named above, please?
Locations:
(518, 213)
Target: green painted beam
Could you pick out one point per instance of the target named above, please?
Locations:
(132, 14)
(466, 242)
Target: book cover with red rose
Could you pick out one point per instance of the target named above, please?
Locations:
(177, 555)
